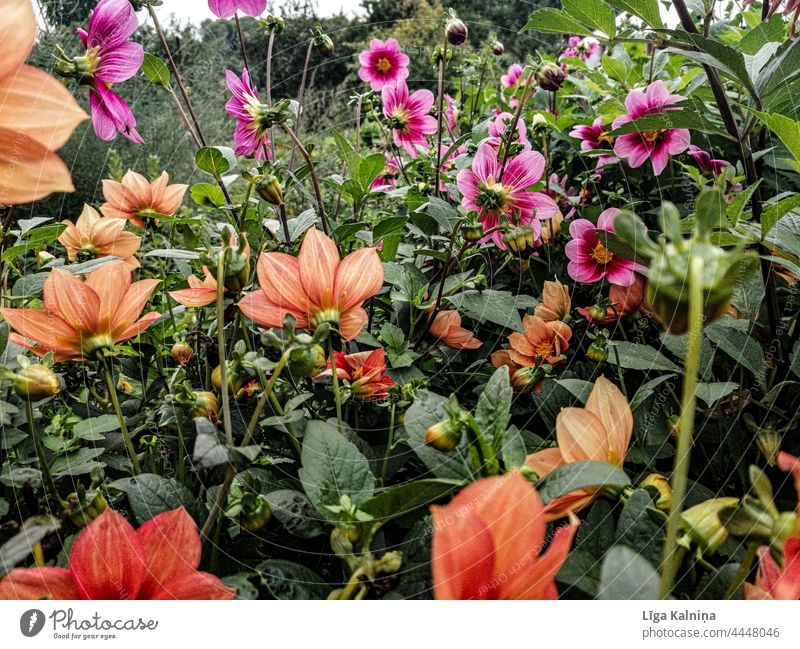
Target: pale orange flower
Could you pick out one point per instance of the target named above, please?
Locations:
(93, 236)
(446, 328)
(555, 304)
(541, 342)
(315, 287)
(135, 197)
(487, 543)
(37, 114)
(83, 318)
(601, 431)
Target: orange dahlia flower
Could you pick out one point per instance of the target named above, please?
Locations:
(446, 328)
(601, 431)
(487, 543)
(93, 236)
(540, 342)
(83, 318)
(135, 198)
(111, 560)
(37, 114)
(364, 371)
(315, 287)
(555, 304)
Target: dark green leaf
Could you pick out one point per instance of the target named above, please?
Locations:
(580, 475)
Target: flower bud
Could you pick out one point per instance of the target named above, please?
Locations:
(528, 379)
(255, 514)
(551, 228)
(597, 313)
(322, 42)
(204, 404)
(520, 239)
(443, 436)
(598, 351)
(472, 232)
(786, 525)
(237, 268)
(519, 266)
(269, 189)
(36, 382)
(550, 76)
(182, 352)
(768, 441)
(234, 378)
(703, 526)
(498, 49)
(83, 511)
(660, 485)
(43, 258)
(455, 30)
(306, 361)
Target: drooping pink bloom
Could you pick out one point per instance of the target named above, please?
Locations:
(227, 8)
(586, 49)
(383, 64)
(450, 113)
(590, 261)
(708, 165)
(111, 59)
(594, 137)
(498, 128)
(507, 198)
(512, 77)
(386, 181)
(251, 136)
(658, 145)
(409, 115)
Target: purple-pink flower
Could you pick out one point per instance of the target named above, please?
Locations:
(383, 64)
(227, 8)
(590, 261)
(658, 145)
(585, 49)
(594, 137)
(111, 59)
(498, 127)
(409, 116)
(511, 78)
(502, 194)
(450, 114)
(708, 165)
(251, 136)
(386, 181)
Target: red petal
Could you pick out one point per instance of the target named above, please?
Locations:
(172, 549)
(38, 583)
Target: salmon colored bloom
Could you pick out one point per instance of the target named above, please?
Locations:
(315, 287)
(656, 145)
(93, 236)
(541, 342)
(555, 304)
(487, 543)
(446, 328)
(383, 63)
(37, 115)
(112, 561)
(601, 431)
(202, 292)
(83, 318)
(365, 371)
(409, 115)
(135, 198)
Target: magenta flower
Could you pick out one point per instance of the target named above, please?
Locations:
(511, 78)
(586, 49)
(386, 181)
(507, 199)
(708, 165)
(658, 145)
(497, 131)
(111, 59)
(409, 116)
(590, 261)
(447, 163)
(383, 64)
(227, 8)
(450, 113)
(594, 137)
(563, 196)
(251, 136)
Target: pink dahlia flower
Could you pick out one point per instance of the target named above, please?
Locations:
(658, 145)
(450, 113)
(565, 197)
(250, 137)
(383, 64)
(586, 49)
(594, 137)
(511, 78)
(447, 163)
(495, 199)
(386, 181)
(590, 261)
(227, 8)
(708, 165)
(497, 131)
(409, 115)
(111, 59)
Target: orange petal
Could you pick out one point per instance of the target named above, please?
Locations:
(359, 276)
(73, 300)
(260, 310)
(137, 327)
(279, 278)
(17, 33)
(39, 106)
(38, 583)
(171, 546)
(319, 259)
(544, 461)
(194, 298)
(581, 436)
(352, 322)
(107, 560)
(138, 189)
(195, 586)
(610, 406)
(45, 328)
(29, 171)
(133, 302)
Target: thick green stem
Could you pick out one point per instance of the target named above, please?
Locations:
(680, 473)
(262, 401)
(223, 368)
(337, 396)
(112, 394)
(389, 446)
(49, 484)
(439, 111)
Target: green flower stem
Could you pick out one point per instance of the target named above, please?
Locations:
(671, 560)
(389, 445)
(478, 94)
(223, 372)
(181, 448)
(262, 401)
(439, 111)
(744, 569)
(49, 484)
(112, 394)
(337, 396)
(300, 96)
(313, 173)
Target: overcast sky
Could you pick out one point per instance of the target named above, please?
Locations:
(197, 10)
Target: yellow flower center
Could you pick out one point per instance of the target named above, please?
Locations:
(357, 373)
(601, 254)
(543, 349)
(651, 137)
(383, 65)
(605, 137)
